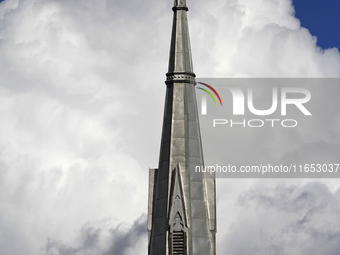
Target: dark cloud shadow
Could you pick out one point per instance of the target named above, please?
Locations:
(92, 241)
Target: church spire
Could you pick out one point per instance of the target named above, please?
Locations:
(181, 210)
(180, 60)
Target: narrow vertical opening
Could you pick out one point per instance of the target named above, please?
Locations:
(178, 243)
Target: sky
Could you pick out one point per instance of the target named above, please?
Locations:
(322, 19)
(81, 102)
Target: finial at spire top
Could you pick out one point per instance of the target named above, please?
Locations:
(180, 5)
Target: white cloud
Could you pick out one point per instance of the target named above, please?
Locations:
(285, 220)
(248, 38)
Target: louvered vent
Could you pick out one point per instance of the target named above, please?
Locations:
(178, 243)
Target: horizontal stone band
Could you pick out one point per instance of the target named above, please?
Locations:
(181, 77)
(180, 8)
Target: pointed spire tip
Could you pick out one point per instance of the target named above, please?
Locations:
(180, 5)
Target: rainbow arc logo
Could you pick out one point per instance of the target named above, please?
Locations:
(209, 93)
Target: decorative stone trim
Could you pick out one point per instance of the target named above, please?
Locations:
(180, 78)
(180, 8)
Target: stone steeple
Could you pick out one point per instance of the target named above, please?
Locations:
(182, 206)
